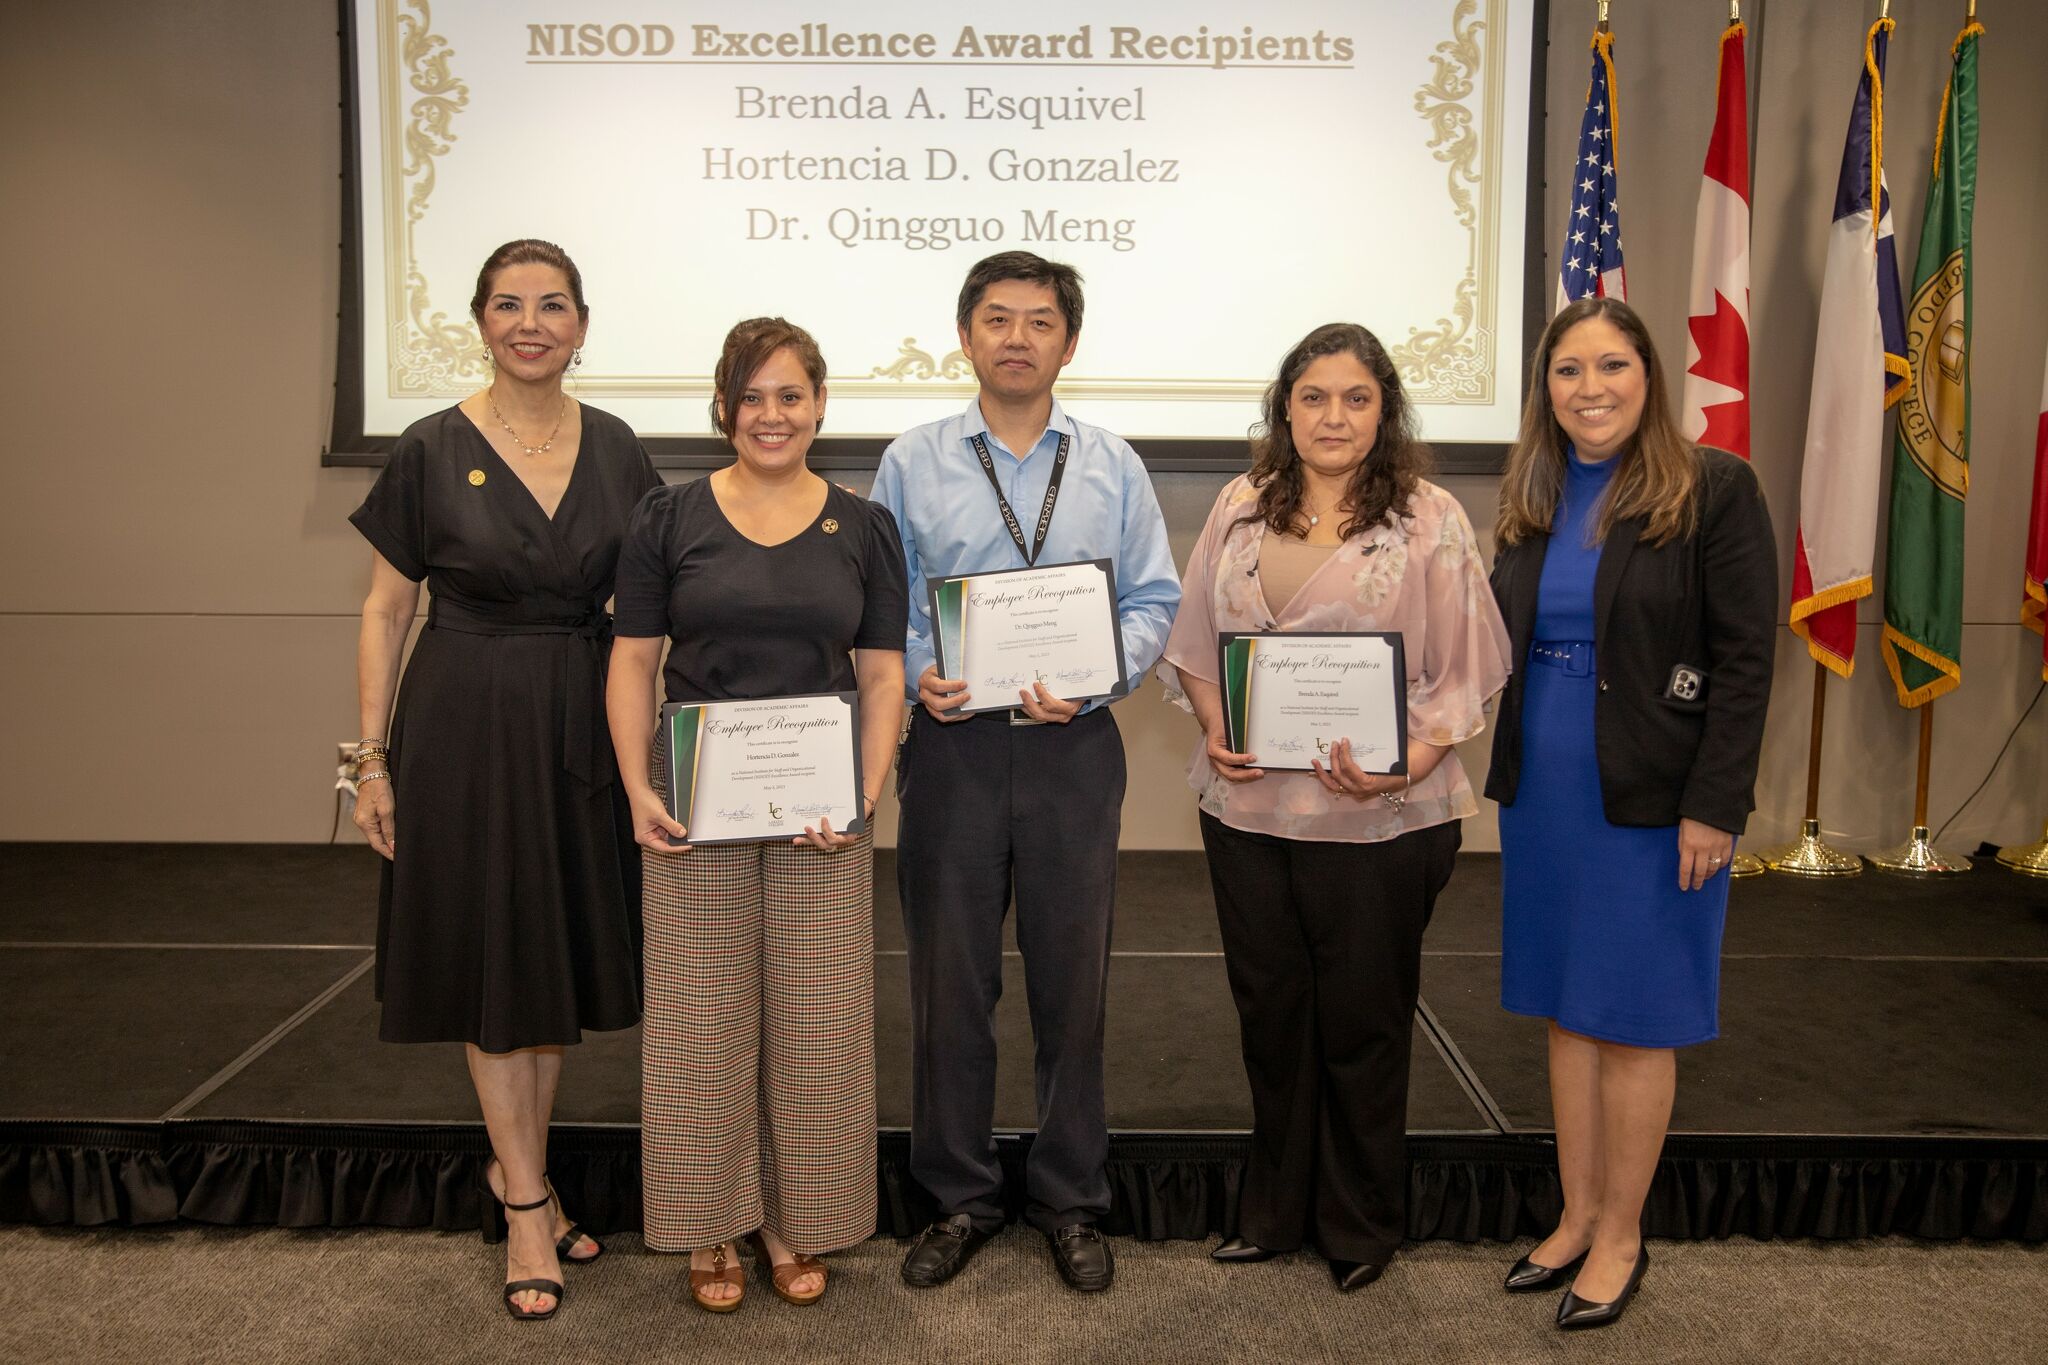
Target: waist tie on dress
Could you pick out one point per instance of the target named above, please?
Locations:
(1572, 657)
(586, 735)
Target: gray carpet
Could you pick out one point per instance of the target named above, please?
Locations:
(251, 1295)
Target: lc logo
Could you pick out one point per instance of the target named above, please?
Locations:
(1037, 674)
(774, 811)
(1323, 746)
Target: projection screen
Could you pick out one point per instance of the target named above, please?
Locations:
(1226, 176)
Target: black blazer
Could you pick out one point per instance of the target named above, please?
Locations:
(1682, 635)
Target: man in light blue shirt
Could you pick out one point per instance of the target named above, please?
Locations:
(1025, 801)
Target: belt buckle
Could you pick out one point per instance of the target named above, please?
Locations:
(1019, 718)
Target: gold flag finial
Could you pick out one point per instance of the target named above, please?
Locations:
(1603, 16)
(1734, 11)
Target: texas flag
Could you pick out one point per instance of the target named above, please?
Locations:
(1859, 370)
(1717, 341)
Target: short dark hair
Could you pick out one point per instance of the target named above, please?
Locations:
(748, 347)
(1063, 280)
(527, 251)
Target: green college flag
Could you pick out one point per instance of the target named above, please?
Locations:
(1923, 581)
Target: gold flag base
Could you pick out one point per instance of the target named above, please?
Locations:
(1746, 865)
(2029, 860)
(1812, 856)
(1918, 857)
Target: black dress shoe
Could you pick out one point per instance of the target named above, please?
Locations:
(1574, 1312)
(1527, 1277)
(941, 1250)
(1237, 1251)
(1082, 1255)
(1353, 1275)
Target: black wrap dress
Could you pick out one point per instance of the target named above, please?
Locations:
(510, 916)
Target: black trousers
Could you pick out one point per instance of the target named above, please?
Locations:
(988, 809)
(1323, 943)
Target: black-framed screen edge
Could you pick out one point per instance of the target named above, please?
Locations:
(347, 445)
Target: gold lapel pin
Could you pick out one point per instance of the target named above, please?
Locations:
(476, 478)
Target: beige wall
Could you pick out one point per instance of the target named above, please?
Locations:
(177, 607)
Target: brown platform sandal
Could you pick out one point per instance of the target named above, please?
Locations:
(780, 1277)
(724, 1270)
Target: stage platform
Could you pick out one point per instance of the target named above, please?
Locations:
(192, 1034)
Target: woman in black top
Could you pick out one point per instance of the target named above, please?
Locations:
(508, 922)
(757, 1079)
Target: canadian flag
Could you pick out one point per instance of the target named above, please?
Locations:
(1717, 341)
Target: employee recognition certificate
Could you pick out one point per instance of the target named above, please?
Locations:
(1054, 624)
(1289, 697)
(748, 770)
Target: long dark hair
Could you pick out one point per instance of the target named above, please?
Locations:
(1383, 482)
(1654, 475)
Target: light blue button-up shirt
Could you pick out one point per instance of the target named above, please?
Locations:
(932, 482)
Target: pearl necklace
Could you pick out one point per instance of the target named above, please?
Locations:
(545, 446)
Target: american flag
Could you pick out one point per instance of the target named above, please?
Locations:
(1591, 260)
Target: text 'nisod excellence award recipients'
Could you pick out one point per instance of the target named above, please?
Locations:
(1025, 800)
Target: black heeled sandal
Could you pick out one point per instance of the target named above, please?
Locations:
(565, 1245)
(553, 1287)
(493, 1227)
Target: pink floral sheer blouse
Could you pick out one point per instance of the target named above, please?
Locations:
(1421, 576)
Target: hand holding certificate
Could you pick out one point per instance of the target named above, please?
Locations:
(738, 771)
(1290, 699)
(1009, 632)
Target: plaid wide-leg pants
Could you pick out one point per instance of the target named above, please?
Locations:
(757, 1064)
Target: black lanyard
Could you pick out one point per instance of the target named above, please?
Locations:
(1052, 495)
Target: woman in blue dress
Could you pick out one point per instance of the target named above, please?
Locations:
(1637, 575)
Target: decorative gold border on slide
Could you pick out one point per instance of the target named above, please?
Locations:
(1453, 362)
(433, 355)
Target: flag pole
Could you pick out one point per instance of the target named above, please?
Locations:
(1918, 857)
(1810, 855)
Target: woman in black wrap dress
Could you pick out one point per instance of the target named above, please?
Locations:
(509, 921)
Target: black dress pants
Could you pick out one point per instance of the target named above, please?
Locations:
(1323, 943)
(987, 809)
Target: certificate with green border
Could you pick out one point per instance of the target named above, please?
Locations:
(1290, 696)
(743, 771)
(1005, 631)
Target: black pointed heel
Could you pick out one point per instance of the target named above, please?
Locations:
(1527, 1277)
(1574, 1313)
(1238, 1251)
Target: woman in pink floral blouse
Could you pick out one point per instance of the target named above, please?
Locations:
(1324, 880)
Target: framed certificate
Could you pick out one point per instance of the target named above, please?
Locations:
(1289, 697)
(739, 771)
(1056, 624)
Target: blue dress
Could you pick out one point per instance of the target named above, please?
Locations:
(1595, 932)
